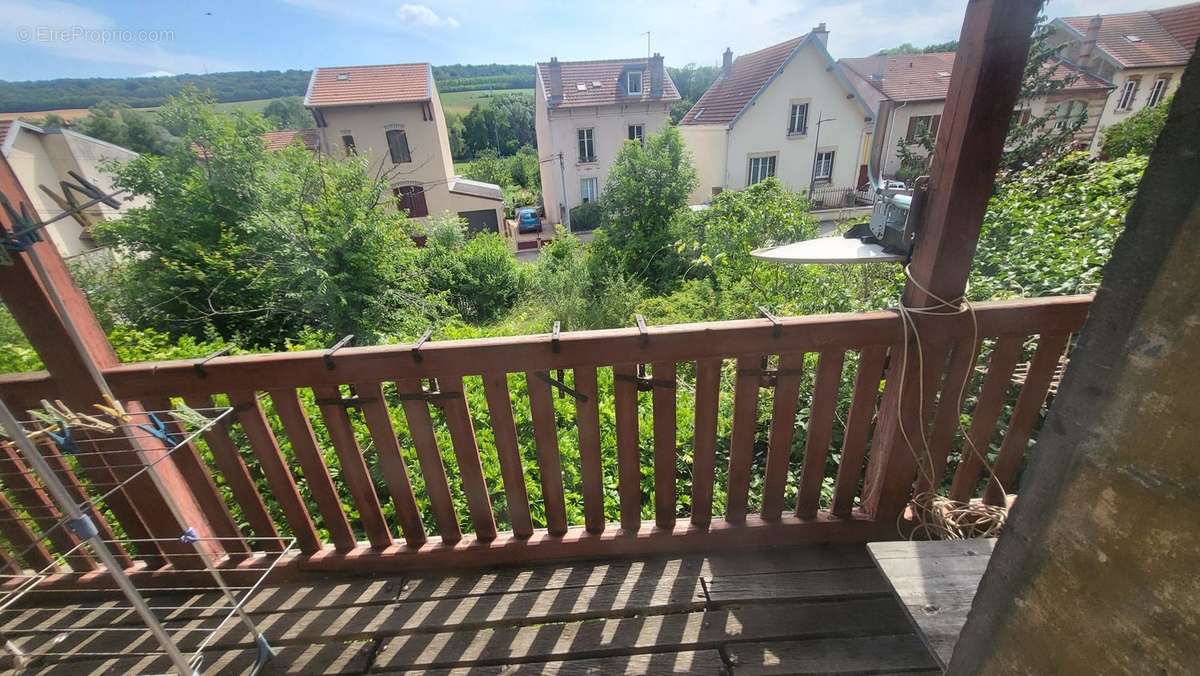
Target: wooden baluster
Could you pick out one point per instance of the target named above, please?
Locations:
(1029, 405)
(466, 450)
(353, 465)
(665, 443)
(28, 491)
(545, 436)
(7, 563)
(783, 426)
(629, 461)
(71, 482)
(298, 429)
(25, 543)
(741, 442)
(279, 477)
(704, 445)
(820, 432)
(420, 427)
(204, 489)
(983, 422)
(946, 420)
(858, 427)
(587, 420)
(495, 388)
(391, 463)
(237, 477)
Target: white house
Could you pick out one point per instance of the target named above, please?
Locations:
(786, 111)
(391, 114)
(43, 160)
(583, 112)
(1142, 53)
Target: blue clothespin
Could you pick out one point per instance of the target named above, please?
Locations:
(189, 536)
(159, 430)
(64, 439)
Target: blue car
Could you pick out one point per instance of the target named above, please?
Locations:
(528, 221)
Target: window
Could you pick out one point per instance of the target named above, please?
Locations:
(635, 132)
(798, 119)
(1023, 115)
(348, 143)
(1069, 112)
(1128, 93)
(1158, 92)
(761, 168)
(397, 142)
(589, 189)
(633, 83)
(587, 146)
(920, 125)
(824, 168)
(412, 199)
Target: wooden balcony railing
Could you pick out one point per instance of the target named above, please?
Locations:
(733, 434)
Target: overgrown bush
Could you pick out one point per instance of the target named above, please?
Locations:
(585, 217)
(481, 278)
(1135, 134)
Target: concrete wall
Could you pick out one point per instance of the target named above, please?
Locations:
(708, 145)
(557, 131)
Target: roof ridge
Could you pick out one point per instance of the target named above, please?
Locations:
(374, 65)
(777, 44)
(642, 59)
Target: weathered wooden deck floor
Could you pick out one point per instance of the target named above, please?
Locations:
(813, 609)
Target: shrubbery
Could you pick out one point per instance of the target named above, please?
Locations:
(585, 217)
(1135, 134)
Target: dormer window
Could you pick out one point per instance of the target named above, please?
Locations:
(343, 77)
(1133, 38)
(633, 83)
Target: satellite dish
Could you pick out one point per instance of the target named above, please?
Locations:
(828, 251)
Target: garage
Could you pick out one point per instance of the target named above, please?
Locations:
(482, 220)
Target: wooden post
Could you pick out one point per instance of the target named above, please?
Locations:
(985, 83)
(29, 302)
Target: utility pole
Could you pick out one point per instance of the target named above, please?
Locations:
(562, 176)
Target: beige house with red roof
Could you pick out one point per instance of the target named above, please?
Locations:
(1142, 53)
(584, 111)
(391, 114)
(918, 84)
(786, 111)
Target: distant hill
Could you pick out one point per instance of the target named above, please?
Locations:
(147, 92)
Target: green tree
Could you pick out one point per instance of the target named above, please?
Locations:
(480, 276)
(644, 200)
(132, 129)
(288, 113)
(454, 133)
(489, 167)
(1135, 134)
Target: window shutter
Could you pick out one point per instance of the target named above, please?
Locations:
(933, 126)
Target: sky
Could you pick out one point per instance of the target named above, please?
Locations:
(46, 39)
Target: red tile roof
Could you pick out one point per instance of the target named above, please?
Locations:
(726, 98)
(926, 77)
(365, 85)
(601, 81)
(277, 140)
(1164, 37)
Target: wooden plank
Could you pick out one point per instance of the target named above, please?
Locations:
(820, 432)
(587, 420)
(391, 463)
(75, 488)
(1025, 415)
(545, 437)
(437, 489)
(614, 637)
(237, 477)
(279, 477)
(495, 387)
(664, 443)
(704, 442)
(354, 470)
(40, 510)
(314, 658)
(699, 663)
(629, 461)
(871, 655)
(858, 426)
(983, 421)
(187, 459)
(783, 427)
(28, 547)
(742, 436)
(320, 485)
(466, 451)
(946, 421)
(806, 585)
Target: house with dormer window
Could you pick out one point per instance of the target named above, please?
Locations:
(583, 112)
(392, 116)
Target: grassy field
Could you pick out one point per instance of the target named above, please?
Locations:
(461, 102)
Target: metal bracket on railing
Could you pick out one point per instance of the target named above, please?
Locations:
(644, 382)
(778, 325)
(554, 334)
(430, 396)
(416, 349)
(199, 363)
(346, 402)
(329, 364)
(559, 385)
(769, 377)
(641, 327)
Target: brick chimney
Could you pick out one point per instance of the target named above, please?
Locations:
(1087, 50)
(821, 33)
(656, 76)
(727, 61)
(555, 83)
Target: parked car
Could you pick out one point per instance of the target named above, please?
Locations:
(528, 221)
